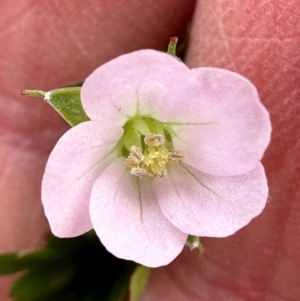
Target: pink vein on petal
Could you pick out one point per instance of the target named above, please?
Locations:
(71, 170)
(115, 211)
(208, 205)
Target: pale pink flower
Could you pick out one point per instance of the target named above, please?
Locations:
(213, 116)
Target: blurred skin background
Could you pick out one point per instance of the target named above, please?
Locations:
(47, 45)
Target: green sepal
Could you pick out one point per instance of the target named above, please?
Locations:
(193, 242)
(138, 282)
(66, 101)
(172, 47)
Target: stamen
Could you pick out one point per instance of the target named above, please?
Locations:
(135, 157)
(137, 171)
(136, 152)
(154, 139)
(176, 155)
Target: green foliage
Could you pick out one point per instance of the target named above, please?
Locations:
(9, 263)
(73, 269)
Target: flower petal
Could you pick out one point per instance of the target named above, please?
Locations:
(206, 205)
(128, 220)
(224, 129)
(142, 82)
(73, 166)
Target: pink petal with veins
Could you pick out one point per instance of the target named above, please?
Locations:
(72, 168)
(143, 82)
(207, 205)
(224, 129)
(128, 220)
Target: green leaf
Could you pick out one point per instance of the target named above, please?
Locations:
(44, 259)
(35, 284)
(66, 101)
(138, 282)
(9, 263)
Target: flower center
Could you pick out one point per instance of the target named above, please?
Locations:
(154, 159)
(147, 153)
